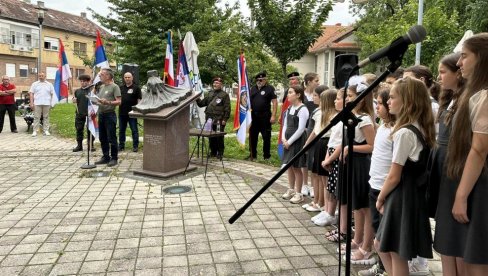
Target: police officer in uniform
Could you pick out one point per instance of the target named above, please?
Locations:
(217, 102)
(262, 96)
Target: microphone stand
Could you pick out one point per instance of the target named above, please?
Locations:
(347, 117)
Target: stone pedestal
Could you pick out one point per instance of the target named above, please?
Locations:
(166, 140)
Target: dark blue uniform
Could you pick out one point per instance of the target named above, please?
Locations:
(261, 115)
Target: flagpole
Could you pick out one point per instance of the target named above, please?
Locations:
(88, 165)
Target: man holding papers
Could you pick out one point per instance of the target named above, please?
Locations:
(110, 97)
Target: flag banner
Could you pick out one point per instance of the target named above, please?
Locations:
(63, 74)
(183, 77)
(242, 115)
(101, 60)
(282, 119)
(92, 119)
(192, 52)
(169, 75)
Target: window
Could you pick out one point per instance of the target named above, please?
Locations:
(23, 71)
(80, 48)
(79, 72)
(4, 33)
(51, 43)
(326, 68)
(51, 73)
(10, 70)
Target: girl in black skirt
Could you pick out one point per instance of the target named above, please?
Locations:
(467, 155)
(294, 138)
(448, 231)
(404, 232)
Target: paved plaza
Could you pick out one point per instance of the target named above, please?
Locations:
(57, 219)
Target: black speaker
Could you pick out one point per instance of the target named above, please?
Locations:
(133, 69)
(342, 68)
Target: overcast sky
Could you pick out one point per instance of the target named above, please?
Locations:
(338, 15)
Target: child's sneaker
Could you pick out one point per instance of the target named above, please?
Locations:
(297, 198)
(305, 190)
(417, 269)
(289, 194)
(372, 271)
(311, 192)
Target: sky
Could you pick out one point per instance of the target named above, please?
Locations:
(338, 15)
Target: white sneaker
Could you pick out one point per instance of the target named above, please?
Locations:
(289, 194)
(328, 220)
(417, 269)
(319, 216)
(313, 208)
(47, 133)
(34, 133)
(305, 206)
(372, 271)
(311, 192)
(297, 198)
(305, 190)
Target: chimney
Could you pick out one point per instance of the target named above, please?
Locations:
(40, 4)
(83, 14)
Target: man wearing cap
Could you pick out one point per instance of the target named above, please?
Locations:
(217, 102)
(262, 96)
(7, 103)
(293, 79)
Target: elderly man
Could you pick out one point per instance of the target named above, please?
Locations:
(262, 97)
(110, 97)
(7, 103)
(131, 95)
(41, 98)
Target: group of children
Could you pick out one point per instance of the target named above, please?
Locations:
(427, 141)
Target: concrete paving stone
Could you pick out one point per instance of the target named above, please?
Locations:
(125, 265)
(294, 251)
(110, 227)
(307, 240)
(148, 272)
(132, 225)
(178, 261)
(120, 273)
(238, 235)
(171, 240)
(302, 262)
(259, 234)
(11, 270)
(271, 253)
(253, 267)
(278, 264)
(94, 267)
(18, 231)
(151, 241)
(16, 260)
(176, 271)
(317, 249)
(175, 250)
(52, 247)
(6, 249)
(150, 251)
(248, 254)
(229, 269)
(25, 248)
(265, 242)
(243, 244)
(88, 228)
(151, 232)
(223, 245)
(280, 233)
(106, 235)
(36, 270)
(125, 253)
(153, 224)
(199, 247)
(224, 256)
(325, 260)
(216, 228)
(72, 257)
(129, 233)
(218, 236)
(29, 223)
(199, 270)
(59, 237)
(98, 255)
(87, 236)
(44, 258)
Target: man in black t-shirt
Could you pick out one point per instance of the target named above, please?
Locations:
(81, 101)
(262, 96)
(131, 95)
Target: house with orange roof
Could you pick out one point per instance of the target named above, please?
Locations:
(320, 58)
(20, 43)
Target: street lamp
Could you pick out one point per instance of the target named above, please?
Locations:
(40, 18)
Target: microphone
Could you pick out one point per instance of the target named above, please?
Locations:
(414, 35)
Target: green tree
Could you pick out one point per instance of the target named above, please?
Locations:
(396, 17)
(288, 28)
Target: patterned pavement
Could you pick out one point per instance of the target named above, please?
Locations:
(57, 219)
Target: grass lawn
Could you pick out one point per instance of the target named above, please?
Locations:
(62, 118)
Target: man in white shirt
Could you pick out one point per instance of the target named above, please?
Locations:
(41, 96)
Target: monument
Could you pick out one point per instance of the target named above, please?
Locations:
(165, 111)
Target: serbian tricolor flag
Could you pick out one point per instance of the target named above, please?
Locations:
(63, 74)
(169, 74)
(92, 119)
(101, 60)
(284, 108)
(183, 77)
(242, 115)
